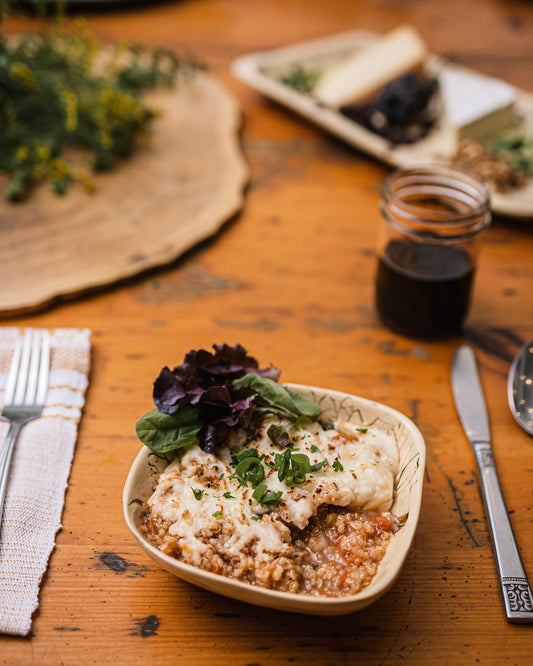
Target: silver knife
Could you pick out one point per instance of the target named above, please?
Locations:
(470, 403)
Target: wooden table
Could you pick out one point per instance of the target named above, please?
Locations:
(291, 279)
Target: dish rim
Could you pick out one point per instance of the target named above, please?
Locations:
(288, 601)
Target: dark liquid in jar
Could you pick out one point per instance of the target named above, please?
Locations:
(423, 290)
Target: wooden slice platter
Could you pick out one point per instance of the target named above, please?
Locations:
(170, 195)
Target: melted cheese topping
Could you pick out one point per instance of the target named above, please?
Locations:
(198, 498)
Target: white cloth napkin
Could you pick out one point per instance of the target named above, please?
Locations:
(39, 474)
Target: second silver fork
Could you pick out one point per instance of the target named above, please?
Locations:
(25, 394)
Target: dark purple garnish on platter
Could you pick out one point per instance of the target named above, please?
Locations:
(402, 111)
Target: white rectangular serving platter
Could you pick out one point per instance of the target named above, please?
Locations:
(262, 71)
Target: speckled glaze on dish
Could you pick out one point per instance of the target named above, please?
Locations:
(408, 496)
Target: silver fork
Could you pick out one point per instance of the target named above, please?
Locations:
(25, 394)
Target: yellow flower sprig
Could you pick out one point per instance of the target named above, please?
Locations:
(55, 91)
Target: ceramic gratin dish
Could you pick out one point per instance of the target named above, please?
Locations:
(143, 477)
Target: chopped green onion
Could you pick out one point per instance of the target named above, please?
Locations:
(259, 491)
(265, 496)
(249, 469)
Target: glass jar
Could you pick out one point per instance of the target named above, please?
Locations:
(432, 219)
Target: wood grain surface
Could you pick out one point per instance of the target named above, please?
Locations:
(183, 186)
(292, 279)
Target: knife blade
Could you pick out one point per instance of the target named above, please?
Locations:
(472, 410)
(469, 398)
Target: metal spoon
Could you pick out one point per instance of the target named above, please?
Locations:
(520, 387)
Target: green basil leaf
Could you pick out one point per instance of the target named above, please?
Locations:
(168, 432)
(278, 398)
(303, 405)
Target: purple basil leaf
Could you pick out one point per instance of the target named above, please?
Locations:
(167, 392)
(213, 435)
(205, 379)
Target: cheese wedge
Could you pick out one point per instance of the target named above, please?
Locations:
(476, 106)
(368, 70)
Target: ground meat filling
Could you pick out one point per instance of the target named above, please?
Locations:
(340, 551)
(311, 520)
(336, 555)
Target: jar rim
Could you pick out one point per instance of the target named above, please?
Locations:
(469, 188)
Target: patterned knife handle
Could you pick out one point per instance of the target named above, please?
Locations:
(516, 591)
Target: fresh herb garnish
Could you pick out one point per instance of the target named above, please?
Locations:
(337, 465)
(198, 494)
(302, 79)
(250, 469)
(517, 148)
(265, 496)
(217, 514)
(228, 495)
(293, 468)
(362, 430)
(278, 435)
(168, 432)
(314, 448)
(300, 467)
(238, 455)
(278, 398)
(211, 394)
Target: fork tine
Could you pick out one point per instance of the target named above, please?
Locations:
(11, 381)
(44, 369)
(31, 384)
(23, 368)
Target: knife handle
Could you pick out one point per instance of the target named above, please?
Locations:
(516, 591)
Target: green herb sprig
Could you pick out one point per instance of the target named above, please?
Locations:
(301, 79)
(517, 148)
